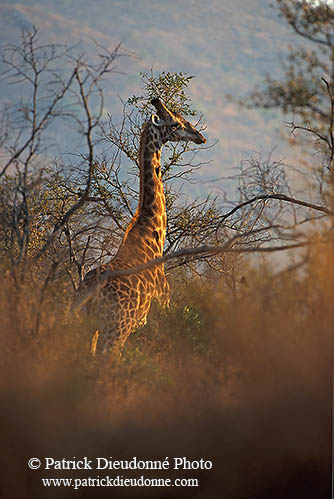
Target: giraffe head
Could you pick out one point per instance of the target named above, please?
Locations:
(173, 127)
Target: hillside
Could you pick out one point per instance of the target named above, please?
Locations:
(228, 46)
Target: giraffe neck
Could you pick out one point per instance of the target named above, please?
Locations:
(149, 221)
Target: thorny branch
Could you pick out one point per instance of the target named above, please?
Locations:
(281, 197)
(228, 247)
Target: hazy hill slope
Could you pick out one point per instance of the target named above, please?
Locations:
(228, 46)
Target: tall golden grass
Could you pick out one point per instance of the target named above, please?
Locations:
(244, 382)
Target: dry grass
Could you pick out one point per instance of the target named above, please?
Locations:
(245, 384)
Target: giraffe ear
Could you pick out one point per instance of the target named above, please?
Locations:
(155, 120)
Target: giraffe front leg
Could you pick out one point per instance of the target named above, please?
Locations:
(108, 343)
(93, 343)
(103, 347)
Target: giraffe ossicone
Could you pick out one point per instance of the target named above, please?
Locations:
(122, 304)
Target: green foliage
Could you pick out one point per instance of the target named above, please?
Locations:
(169, 87)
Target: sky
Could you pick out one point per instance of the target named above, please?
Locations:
(228, 47)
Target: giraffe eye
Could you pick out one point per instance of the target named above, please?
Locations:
(155, 119)
(176, 126)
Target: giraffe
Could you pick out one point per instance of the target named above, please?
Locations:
(122, 303)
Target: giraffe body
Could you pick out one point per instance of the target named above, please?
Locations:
(122, 303)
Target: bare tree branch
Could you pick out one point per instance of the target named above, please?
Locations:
(281, 197)
(228, 247)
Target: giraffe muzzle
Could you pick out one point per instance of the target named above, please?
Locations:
(200, 140)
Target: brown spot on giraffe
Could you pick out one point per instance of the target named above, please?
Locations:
(122, 303)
